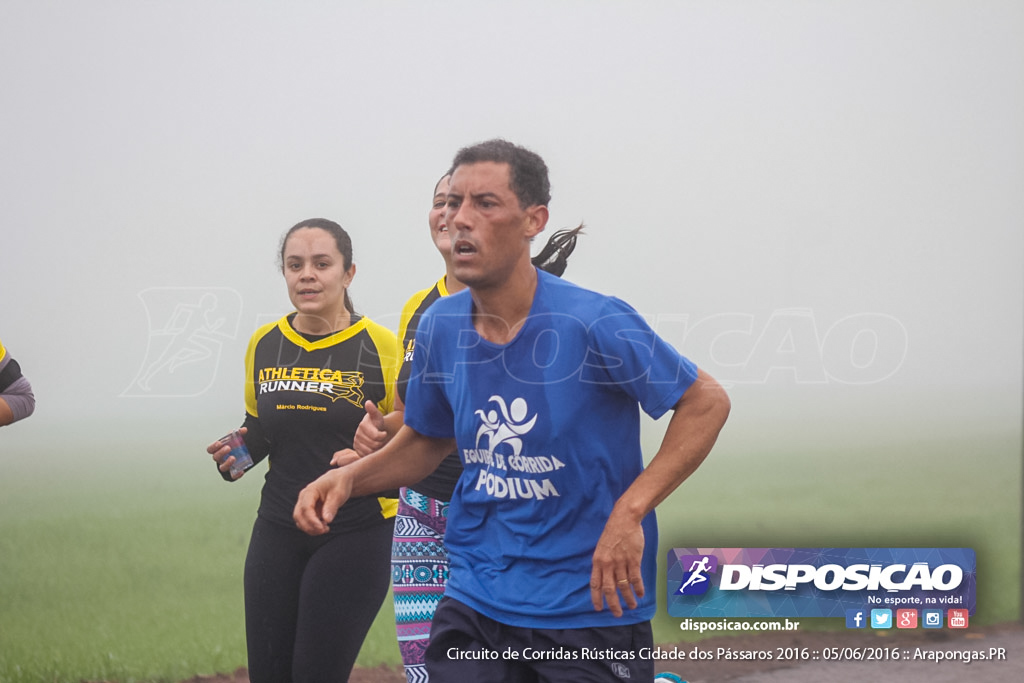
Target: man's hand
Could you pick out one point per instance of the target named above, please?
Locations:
(696, 421)
(370, 434)
(319, 502)
(344, 457)
(405, 460)
(616, 571)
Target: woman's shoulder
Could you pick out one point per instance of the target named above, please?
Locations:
(381, 335)
(265, 329)
(375, 326)
(425, 296)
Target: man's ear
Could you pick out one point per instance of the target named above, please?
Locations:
(537, 215)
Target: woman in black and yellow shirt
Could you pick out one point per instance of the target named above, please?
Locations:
(309, 602)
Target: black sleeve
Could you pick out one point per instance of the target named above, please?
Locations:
(10, 373)
(256, 439)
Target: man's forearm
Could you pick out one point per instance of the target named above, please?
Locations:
(403, 461)
(393, 422)
(692, 432)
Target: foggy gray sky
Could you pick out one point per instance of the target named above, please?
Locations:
(811, 199)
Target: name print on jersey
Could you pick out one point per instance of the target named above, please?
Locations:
(502, 426)
(333, 384)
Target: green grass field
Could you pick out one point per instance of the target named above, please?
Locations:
(123, 565)
(963, 492)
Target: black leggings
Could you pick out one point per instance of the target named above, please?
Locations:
(309, 600)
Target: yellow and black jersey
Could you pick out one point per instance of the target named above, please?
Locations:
(411, 312)
(304, 398)
(441, 483)
(9, 369)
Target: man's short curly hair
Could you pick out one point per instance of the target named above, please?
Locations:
(528, 174)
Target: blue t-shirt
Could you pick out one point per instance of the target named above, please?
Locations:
(548, 429)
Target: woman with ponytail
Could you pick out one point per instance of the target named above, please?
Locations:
(309, 602)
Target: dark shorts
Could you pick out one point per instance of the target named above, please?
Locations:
(467, 646)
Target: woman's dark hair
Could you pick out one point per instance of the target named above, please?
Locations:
(554, 257)
(341, 239)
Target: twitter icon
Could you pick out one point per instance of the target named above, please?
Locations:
(881, 618)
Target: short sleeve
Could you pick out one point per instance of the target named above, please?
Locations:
(625, 352)
(427, 408)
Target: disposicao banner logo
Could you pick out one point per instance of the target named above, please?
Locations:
(816, 582)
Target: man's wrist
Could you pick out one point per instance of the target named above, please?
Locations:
(629, 510)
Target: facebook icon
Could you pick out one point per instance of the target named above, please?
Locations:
(855, 618)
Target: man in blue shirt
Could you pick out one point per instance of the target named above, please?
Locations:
(537, 383)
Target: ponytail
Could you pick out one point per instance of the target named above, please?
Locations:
(554, 257)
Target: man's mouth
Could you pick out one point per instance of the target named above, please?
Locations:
(463, 248)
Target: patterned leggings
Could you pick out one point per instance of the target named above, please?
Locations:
(419, 573)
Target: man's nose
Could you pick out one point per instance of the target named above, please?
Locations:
(455, 217)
